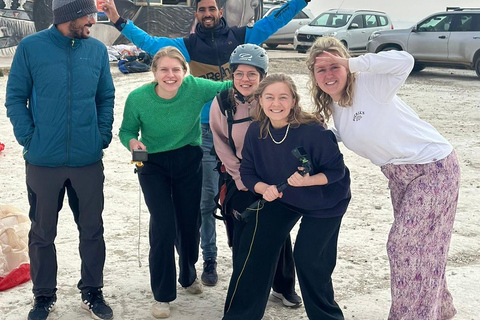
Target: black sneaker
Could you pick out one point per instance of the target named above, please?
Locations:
(291, 300)
(93, 301)
(42, 307)
(209, 275)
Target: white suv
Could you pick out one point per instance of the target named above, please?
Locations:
(444, 39)
(352, 27)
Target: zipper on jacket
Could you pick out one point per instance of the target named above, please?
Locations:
(69, 86)
(218, 57)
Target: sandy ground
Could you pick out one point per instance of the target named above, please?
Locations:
(449, 99)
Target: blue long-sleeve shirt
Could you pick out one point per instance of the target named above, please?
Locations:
(265, 161)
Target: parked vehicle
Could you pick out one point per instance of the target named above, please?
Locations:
(445, 39)
(351, 27)
(285, 34)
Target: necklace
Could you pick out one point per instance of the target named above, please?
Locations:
(284, 137)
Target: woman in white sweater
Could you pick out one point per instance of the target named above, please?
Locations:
(421, 166)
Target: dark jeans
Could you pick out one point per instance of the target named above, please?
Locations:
(46, 189)
(208, 235)
(259, 247)
(172, 184)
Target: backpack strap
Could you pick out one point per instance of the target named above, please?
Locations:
(227, 109)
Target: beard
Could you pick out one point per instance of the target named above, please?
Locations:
(76, 31)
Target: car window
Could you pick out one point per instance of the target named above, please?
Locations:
(301, 15)
(335, 20)
(358, 20)
(371, 21)
(382, 21)
(436, 24)
(467, 22)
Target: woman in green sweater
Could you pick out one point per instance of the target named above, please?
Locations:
(166, 113)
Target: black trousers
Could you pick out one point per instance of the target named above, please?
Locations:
(259, 246)
(284, 279)
(46, 189)
(172, 185)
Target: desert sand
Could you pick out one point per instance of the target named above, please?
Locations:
(448, 99)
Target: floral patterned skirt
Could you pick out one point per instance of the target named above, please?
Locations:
(424, 198)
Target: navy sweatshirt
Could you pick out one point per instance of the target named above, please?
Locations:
(265, 161)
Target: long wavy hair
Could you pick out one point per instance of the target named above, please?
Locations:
(321, 100)
(296, 117)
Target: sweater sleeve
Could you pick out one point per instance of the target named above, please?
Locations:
(328, 158)
(247, 167)
(19, 91)
(385, 72)
(210, 88)
(267, 26)
(130, 126)
(150, 43)
(219, 127)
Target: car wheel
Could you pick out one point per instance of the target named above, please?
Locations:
(418, 67)
(477, 67)
(345, 44)
(271, 45)
(302, 51)
(389, 48)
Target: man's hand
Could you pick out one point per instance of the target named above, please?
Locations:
(111, 10)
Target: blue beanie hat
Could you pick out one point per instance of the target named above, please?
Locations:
(69, 10)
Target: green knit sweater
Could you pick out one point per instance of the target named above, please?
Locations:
(168, 124)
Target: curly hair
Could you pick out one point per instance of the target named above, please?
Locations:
(296, 117)
(321, 100)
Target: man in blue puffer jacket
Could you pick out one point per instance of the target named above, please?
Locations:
(207, 52)
(60, 98)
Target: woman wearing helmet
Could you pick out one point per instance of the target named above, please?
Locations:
(229, 121)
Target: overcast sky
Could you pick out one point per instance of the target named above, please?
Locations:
(402, 11)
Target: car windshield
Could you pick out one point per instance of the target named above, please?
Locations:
(331, 20)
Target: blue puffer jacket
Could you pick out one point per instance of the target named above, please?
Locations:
(60, 98)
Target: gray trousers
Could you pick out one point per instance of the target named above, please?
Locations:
(46, 189)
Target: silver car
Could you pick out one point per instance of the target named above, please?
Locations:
(351, 27)
(285, 35)
(445, 39)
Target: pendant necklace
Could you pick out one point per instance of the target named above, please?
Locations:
(284, 137)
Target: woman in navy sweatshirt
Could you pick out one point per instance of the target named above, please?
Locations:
(319, 197)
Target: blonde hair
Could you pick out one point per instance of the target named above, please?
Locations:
(321, 100)
(296, 116)
(170, 52)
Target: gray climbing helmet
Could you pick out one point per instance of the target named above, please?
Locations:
(250, 54)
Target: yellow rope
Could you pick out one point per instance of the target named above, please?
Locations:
(248, 255)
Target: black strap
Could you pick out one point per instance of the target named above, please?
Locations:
(227, 109)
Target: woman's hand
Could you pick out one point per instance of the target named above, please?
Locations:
(297, 180)
(271, 193)
(134, 144)
(326, 58)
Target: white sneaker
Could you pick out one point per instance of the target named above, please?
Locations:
(161, 309)
(195, 288)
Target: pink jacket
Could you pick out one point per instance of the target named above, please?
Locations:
(219, 127)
